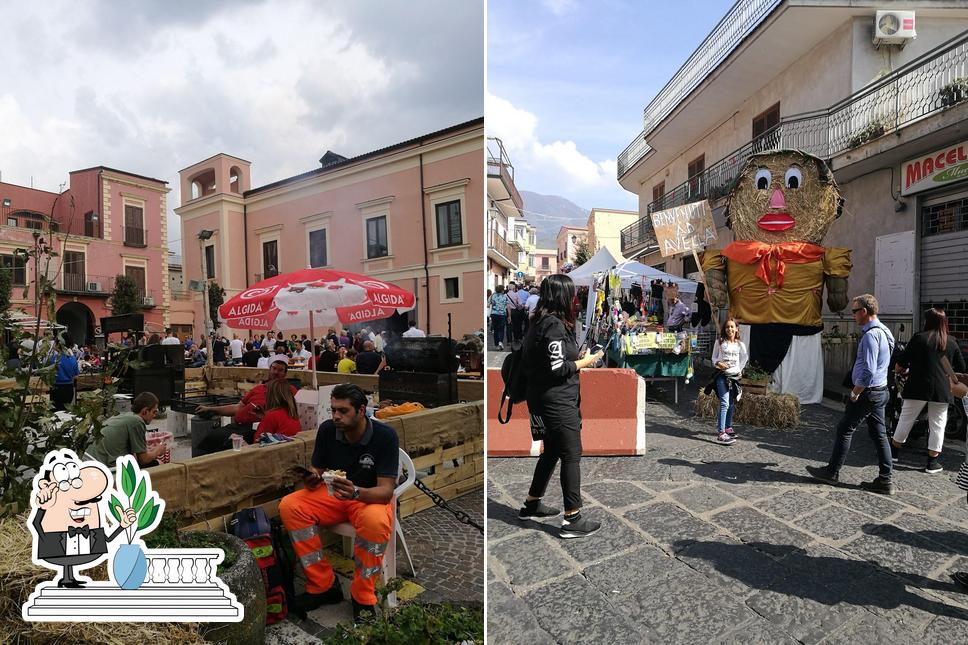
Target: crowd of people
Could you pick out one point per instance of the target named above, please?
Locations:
(360, 352)
(510, 311)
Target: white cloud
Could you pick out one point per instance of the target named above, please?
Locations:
(517, 129)
(277, 83)
(559, 7)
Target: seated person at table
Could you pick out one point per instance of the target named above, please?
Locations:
(280, 416)
(244, 413)
(125, 434)
(347, 365)
(367, 452)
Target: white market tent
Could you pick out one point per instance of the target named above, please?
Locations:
(598, 263)
(636, 271)
(630, 272)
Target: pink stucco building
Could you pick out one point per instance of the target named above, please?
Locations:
(411, 213)
(545, 264)
(106, 223)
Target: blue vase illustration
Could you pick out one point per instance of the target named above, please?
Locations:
(130, 566)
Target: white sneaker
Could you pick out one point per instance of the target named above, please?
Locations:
(725, 439)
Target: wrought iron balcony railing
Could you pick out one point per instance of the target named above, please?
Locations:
(632, 153)
(501, 246)
(744, 17)
(86, 284)
(935, 82)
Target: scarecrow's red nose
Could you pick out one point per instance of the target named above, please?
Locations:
(777, 201)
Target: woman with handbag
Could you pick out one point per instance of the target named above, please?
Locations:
(929, 360)
(552, 364)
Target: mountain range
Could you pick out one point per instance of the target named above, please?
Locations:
(548, 213)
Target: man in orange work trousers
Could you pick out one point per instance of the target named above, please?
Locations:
(368, 451)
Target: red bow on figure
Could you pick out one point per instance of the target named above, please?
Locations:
(751, 251)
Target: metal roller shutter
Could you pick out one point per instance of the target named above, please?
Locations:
(944, 260)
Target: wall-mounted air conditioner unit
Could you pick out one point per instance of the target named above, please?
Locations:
(94, 286)
(149, 301)
(894, 28)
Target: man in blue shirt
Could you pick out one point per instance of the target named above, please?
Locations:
(868, 398)
(67, 369)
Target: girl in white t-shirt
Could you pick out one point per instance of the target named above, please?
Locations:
(729, 357)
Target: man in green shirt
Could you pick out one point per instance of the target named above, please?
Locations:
(124, 434)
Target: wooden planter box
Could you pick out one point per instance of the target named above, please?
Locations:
(754, 387)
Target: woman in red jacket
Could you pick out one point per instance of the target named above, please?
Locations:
(280, 416)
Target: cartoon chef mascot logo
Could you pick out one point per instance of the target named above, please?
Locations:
(773, 275)
(66, 522)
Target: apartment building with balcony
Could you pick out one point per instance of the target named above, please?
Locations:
(409, 213)
(567, 241)
(504, 206)
(605, 229)
(106, 223)
(890, 119)
(545, 264)
(526, 238)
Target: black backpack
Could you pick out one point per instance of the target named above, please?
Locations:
(515, 386)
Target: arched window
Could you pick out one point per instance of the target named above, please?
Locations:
(203, 184)
(235, 178)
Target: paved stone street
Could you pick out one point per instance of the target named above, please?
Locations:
(703, 543)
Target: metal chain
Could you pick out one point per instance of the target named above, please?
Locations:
(461, 516)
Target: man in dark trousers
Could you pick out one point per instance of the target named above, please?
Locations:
(868, 399)
(367, 452)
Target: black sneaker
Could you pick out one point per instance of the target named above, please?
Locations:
(578, 528)
(538, 510)
(934, 465)
(824, 474)
(961, 578)
(882, 486)
(309, 601)
(895, 452)
(362, 613)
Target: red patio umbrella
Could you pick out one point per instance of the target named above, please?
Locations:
(305, 298)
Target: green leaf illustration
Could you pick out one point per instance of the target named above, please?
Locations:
(154, 514)
(139, 497)
(127, 479)
(144, 516)
(114, 506)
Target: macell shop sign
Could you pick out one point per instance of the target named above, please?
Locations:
(936, 169)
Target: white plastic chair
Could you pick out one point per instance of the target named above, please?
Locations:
(346, 529)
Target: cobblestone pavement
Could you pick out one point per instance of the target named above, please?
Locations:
(703, 543)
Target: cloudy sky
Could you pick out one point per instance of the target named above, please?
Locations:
(568, 81)
(161, 86)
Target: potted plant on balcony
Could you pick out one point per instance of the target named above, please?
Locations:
(871, 131)
(953, 93)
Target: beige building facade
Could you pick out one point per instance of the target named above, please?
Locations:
(809, 76)
(567, 241)
(410, 214)
(605, 229)
(504, 206)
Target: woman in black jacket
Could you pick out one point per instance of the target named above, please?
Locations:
(552, 361)
(927, 384)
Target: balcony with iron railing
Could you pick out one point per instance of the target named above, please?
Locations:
(135, 236)
(935, 82)
(503, 248)
(85, 284)
(499, 166)
(146, 298)
(741, 20)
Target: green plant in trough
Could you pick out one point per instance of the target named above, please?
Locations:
(413, 623)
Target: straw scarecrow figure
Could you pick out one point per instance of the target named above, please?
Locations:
(773, 276)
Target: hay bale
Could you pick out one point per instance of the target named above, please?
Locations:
(768, 410)
(18, 577)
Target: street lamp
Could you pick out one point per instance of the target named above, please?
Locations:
(203, 235)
